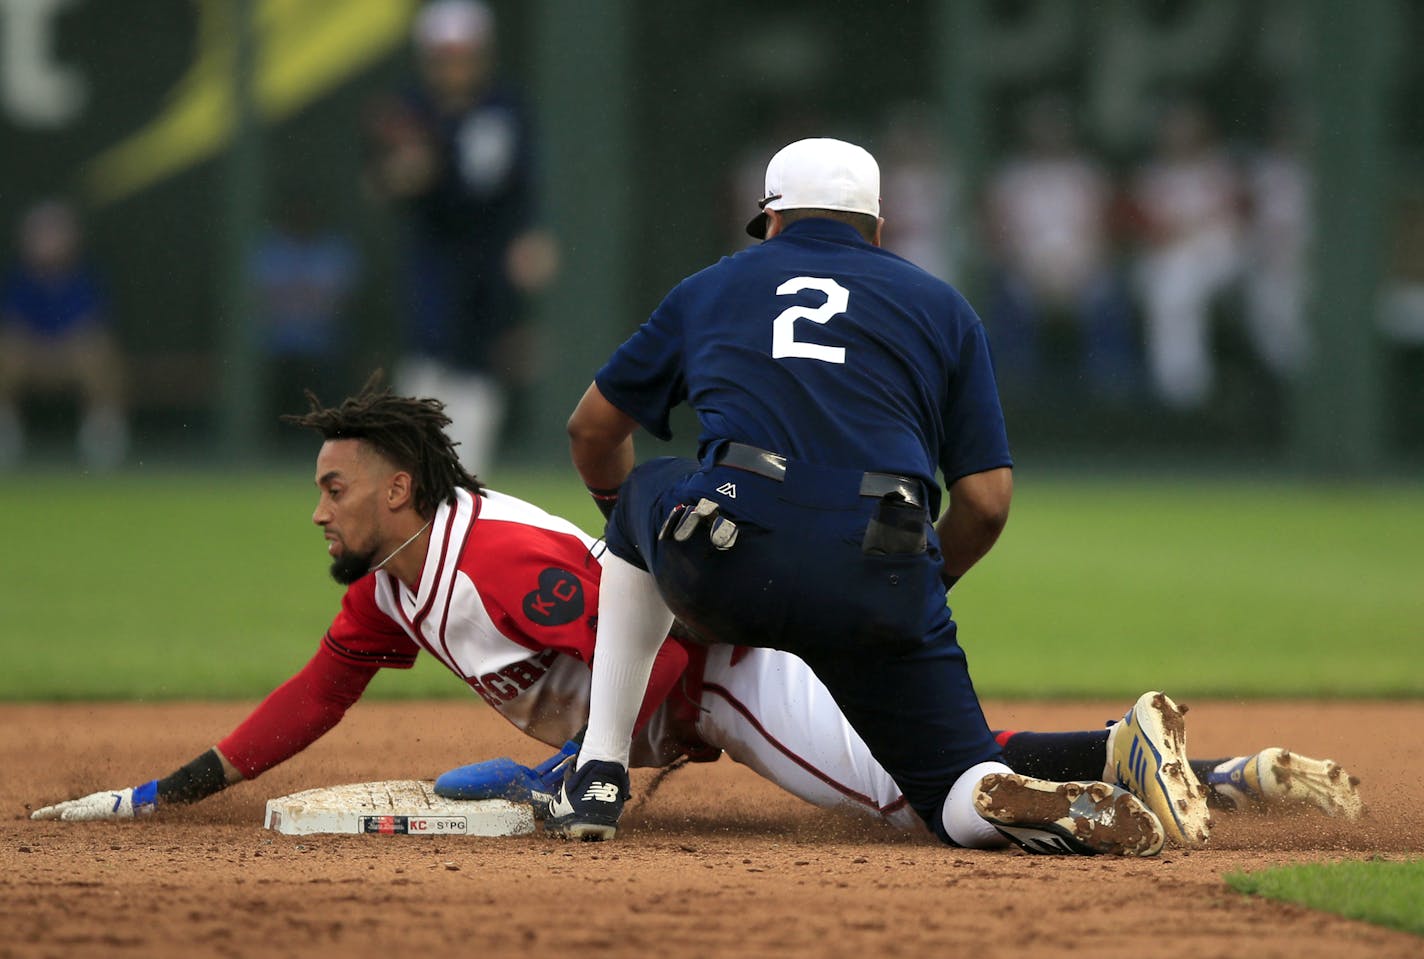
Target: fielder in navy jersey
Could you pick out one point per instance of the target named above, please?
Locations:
(831, 379)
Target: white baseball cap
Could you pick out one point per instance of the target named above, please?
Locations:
(821, 174)
(453, 22)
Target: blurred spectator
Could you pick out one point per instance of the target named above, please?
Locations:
(55, 336)
(303, 273)
(457, 153)
(921, 201)
(1189, 198)
(1278, 239)
(1401, 306)
(1050, 212)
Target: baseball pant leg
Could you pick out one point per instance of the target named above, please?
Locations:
(769, 712)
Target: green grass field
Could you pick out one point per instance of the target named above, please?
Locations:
(206, 585)
(1386, 893)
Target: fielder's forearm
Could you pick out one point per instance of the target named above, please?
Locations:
(978, 511)
(601, 441)
(965, 539)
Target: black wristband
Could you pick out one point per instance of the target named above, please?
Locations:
(198, 780)
(604, 499)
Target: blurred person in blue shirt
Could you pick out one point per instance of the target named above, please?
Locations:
(304, 273)
(55, 337)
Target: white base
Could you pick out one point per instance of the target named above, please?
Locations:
(401, 807)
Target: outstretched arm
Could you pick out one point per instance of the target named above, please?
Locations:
(290, 719)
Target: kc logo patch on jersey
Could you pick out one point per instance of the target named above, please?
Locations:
(558, 600)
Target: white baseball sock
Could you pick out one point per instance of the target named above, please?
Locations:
(633, 621)
(103, 438)
(961, 820)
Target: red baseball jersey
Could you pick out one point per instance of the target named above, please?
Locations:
(508, 601)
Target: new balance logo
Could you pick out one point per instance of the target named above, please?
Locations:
(601, 792)
(728, 490)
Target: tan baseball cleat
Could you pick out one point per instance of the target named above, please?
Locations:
(1276, 778)
(1148, 757)
(1070, 818)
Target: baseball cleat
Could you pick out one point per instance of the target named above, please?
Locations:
(1276, 777)
(589, 802)
(1148, 757)
(1074, 818)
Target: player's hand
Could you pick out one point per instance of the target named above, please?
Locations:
(113, 804)
(532, 260)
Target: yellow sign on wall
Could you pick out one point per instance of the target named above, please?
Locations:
(305, 48)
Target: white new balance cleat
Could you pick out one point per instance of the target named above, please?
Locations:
(1147, 753)
(1275, 778)
(1072, 818)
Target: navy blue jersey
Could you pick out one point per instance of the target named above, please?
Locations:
(484, 195)
(822, 347)
(460, 297)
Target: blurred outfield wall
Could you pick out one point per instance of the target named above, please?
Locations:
(653, 113)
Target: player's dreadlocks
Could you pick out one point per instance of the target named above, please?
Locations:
(407, 431)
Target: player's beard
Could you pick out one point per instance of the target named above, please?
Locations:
(351, 566)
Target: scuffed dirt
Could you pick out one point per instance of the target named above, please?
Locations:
(718, 863)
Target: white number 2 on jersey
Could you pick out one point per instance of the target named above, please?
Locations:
(783, 329)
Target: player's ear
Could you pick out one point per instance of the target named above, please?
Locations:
(774, 223)
(399, 491)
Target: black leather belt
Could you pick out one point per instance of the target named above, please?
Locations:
(773, 466)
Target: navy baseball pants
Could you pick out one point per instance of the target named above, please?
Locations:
(874, 628)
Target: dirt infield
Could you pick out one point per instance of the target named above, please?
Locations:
(717, 863)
